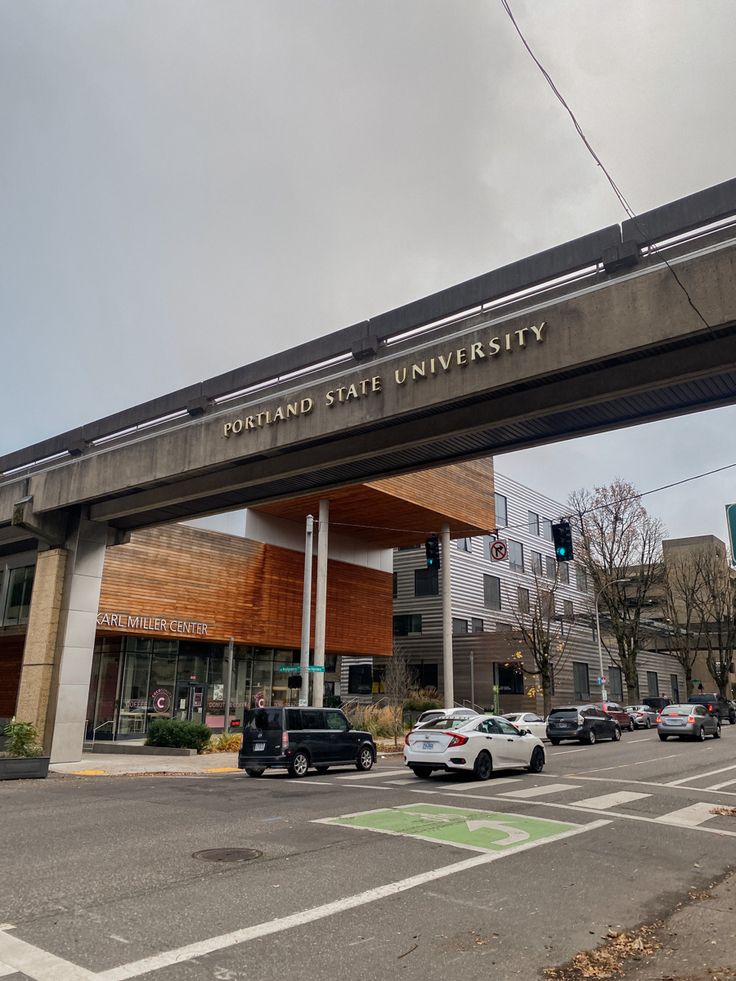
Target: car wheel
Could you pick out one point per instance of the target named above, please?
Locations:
(555, 742)
(483, 766)
(631, 726)
(717, 733)
(590, 738)
(299, 764)
(649, 724)
(616, 734)
(536, 763)
(732, 720)
(321, 769)
(663, 737)
(700, 734)
(255, 771)
(365, 759)
(423, 772)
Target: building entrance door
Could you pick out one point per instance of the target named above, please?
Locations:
(189, 701)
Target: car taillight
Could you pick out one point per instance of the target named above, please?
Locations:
(284, 741)
(457, 740)
(691, 719)
(659, 718)
(406, 739)
(710, 708)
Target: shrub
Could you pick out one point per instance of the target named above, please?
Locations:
(21, 739)
(423, 699)
(226, 742)
(178, 732)
(380, 720)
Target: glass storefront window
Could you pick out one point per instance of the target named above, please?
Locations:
(134, 688)
(18, 601)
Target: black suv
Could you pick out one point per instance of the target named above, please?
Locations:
(586, 723)
(297, 738)
(715, 704)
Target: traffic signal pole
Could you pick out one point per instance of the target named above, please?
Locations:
(448, 678)
(320, 611)
(306, 612)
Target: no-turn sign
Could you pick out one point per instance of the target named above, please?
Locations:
(499, 550)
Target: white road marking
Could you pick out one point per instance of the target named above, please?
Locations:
(39, 964)
(621, 766)
(718, 786)
(552, 788)
(373, 773)
(700, 776)
(6, 969)
(610, 800)
(303, 917)
(565, 752)
(688, 817)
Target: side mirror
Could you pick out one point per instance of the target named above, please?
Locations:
(526, 732)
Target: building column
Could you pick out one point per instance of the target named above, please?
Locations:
(57, 663)
(320, 613)
(448, 676)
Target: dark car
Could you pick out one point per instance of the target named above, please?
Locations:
(657, 702)
(715, 704)
(585, 723)
(619, 713)
(297, 738)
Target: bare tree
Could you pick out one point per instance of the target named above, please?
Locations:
(543, 635)
(619, 540)
(682, 594)
(717, 611)
(398, 683)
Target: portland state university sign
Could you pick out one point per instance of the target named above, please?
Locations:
(476, 354)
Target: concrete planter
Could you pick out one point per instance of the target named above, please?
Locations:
(24, 767)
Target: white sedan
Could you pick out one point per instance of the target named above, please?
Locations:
(528, 720)
(480, 745)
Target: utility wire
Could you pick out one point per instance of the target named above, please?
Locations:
(616, 189)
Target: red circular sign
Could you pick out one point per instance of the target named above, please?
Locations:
(499, 550)
(161, 700)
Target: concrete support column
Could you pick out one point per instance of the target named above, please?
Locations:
(448, 678)
(42, 636)
(320, 615)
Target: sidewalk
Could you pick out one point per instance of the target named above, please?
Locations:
(109, 765)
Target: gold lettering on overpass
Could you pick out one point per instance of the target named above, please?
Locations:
(439, 364)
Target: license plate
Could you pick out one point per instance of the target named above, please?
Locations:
(428, 747)
(259, 747)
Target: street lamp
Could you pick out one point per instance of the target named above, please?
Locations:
(604, 691)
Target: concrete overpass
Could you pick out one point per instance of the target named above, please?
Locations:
(591, 335)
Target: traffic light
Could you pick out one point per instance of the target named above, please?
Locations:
(294, 681)
(432, 551)
(562, 537)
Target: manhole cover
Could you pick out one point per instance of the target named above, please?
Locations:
(228, 854)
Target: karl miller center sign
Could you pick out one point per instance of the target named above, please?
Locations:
(432, 367)
(127, 621)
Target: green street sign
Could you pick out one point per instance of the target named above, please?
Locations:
(319, 668)
(289, 669)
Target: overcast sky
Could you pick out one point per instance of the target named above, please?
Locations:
(188, 186)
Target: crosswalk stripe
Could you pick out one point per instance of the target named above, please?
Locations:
(699, 776)
(372, 775)
(552, 788)
(605, 801)
(688, 817)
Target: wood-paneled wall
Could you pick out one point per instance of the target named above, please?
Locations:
(243, 589)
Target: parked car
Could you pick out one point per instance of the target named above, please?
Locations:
(454, 713)
(657, 702)
(528, 720)
(297, 738)
(693, 721)
(644, 716)
(586, 723)
(716, 705)
(619, 713)
(480, 746)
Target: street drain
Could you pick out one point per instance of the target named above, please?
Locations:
(228, 854)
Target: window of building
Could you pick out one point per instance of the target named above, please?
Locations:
(580, 681)
(522, 599)
(510, 681)
(568, 610)
(550, 566)
(476, 625)
(18, 597)
(504, 628)
(652, 683)
(464, 544)
(407, 623)
(547, 603)
(536, 563)
(502, 514)
(360, 679)
(516, 556)
(459, 626)
(615, 684)
(581, 579)
(533, 519)
(546, 529)
(330, 663)
(427, 675)
(492, 592)
(426, 582)
(675, 686)
(564, 572)
(396, 585)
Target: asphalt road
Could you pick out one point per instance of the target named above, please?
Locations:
(446, 878)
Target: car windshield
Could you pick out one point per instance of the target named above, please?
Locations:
(564, 713)
(514, 716)
(262, 719)
(453, 723)
(677, 710)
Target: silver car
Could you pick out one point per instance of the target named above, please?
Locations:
(693, 721)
